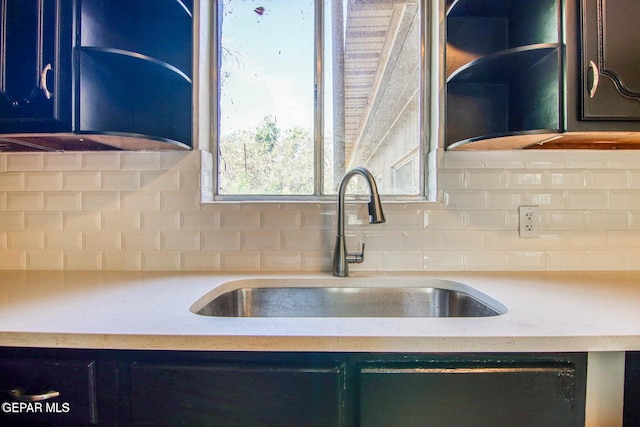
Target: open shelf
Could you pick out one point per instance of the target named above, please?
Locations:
(503, 67)
(130, 94)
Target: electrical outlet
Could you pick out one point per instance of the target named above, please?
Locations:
(529, 221)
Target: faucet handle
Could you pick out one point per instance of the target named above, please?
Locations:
(356, 257)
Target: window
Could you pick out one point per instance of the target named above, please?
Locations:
(307, 89)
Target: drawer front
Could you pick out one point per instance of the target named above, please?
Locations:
(48, 390)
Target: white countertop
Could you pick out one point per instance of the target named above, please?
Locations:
(130, 310)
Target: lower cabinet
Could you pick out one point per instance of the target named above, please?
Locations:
(235, 395)
(165, 388)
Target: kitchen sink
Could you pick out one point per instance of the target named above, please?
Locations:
(348, 298)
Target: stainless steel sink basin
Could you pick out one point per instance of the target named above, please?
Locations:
(349, 298)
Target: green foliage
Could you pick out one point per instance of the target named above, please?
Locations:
(267, 160)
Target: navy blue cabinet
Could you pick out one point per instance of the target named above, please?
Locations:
(90, 75)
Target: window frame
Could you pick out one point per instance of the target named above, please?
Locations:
(429, 109)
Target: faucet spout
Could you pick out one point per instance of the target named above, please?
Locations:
(341, 258)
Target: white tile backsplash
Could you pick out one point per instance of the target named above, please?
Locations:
(142, 211)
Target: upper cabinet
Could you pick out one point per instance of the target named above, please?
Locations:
(543, 74)
(606, 64)
(35, 65)
(122, 75)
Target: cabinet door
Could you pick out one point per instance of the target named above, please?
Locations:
(468, 396)
(35, 65)
(49, 391)
(610, 64)
(238, 395)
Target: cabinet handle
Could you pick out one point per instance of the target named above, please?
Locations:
(43, 81)
(17, 394)
(596, 79)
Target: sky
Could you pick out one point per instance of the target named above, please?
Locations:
(268, 62)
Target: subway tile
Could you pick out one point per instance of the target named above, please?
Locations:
(190, 180)
(25, 239)
(563, 220)
(43, 220)
(83, 180)
(464, 199)
(505, 199)
(83, 260)
(567, 179)
(141, 240)
(62, 161)
(160, 220)
(627, 239)
(465, 240)
(586, 159)
(12, 181)
(525, 179)
(84, 221)
(248, 261)
(443, 261)
(485, 220)
(624, 199)
(177, 200)
(485, 179)
(451, 179)
(121, 220)
(105, 240)
(407, 218)
(606, 260)
(43, 181)
(25, 201)
(63, 240)
(484, 261)
(567, 260)
(587, 199)
(526, 260)
(101, 200)
(315, 261)
(260, 240)
(120, 180)
(179, 240)
(302, 240)
(463, 160)
(402, 261)
(505, 160)
(423, 240)
(280, 220)
(240, 220)
(200, 260)
(139, 160)
(204, 219)
(606, 179)
(25, 162)
(160, 261)
(159, 180)
(220, 240)
(101, 161)
(446, 219)
(184, 160)
(607, 220)
(546, 199)
(140, 200)
(12, 221)
(281, 261)
(45, 260)
(13, 260)
(544, 159)
(3, 162)
(383, 240)
(121, 260)
(63, 201)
